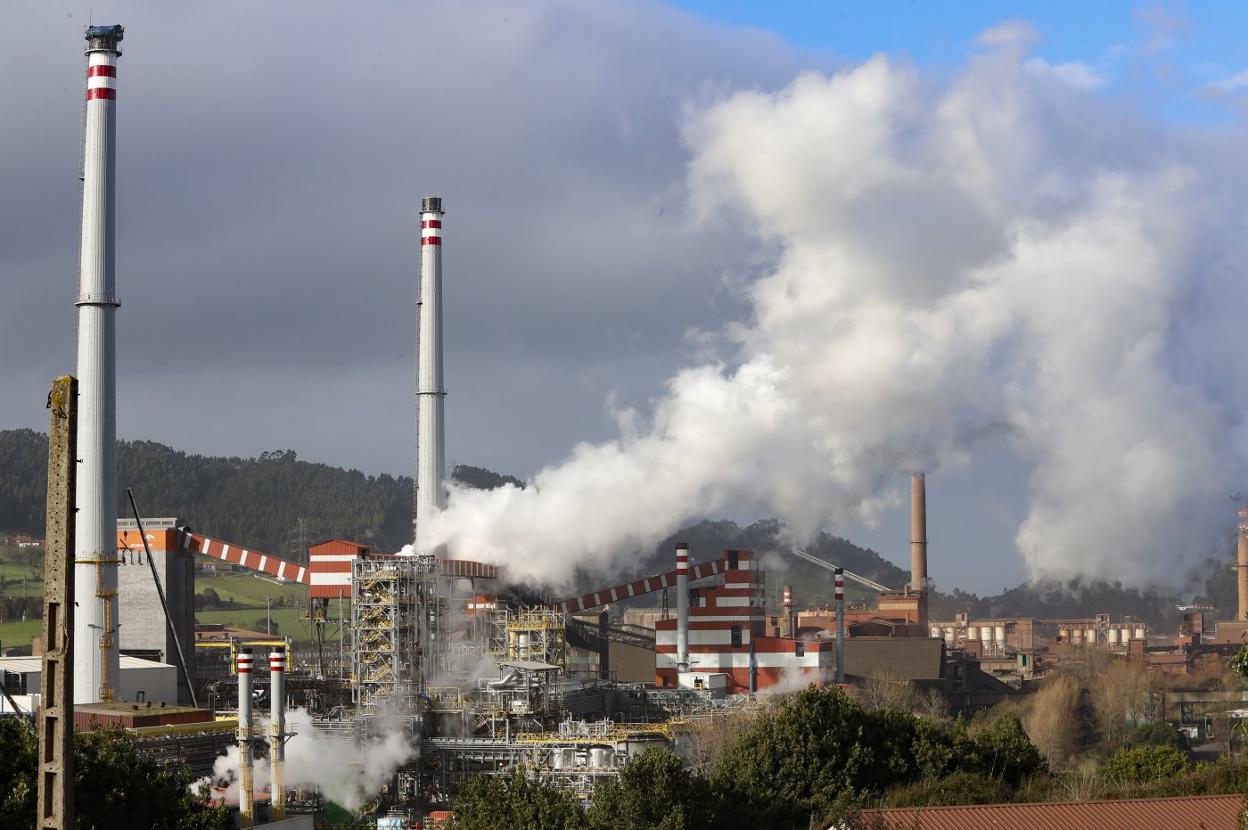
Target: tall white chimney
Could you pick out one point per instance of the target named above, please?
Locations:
(277, 734)
(96, 656)
(246, 813)
(430, 392)
(682, 607)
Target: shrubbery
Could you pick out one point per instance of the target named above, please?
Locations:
(1144, 763)
(814, 753)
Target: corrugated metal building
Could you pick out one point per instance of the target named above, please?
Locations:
(1208, 812)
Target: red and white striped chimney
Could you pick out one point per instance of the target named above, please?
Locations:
(97, 660)
(277, 736)
(840, 625)
(682, 607)
(430, 496)
(246, 812)
(1241, 564)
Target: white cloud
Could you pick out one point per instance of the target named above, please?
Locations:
(1231, 84)
(1074, 73)
(955, 259)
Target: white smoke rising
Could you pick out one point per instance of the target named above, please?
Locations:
(343, 771)
(1002, 251)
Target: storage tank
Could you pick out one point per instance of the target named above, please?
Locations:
(935, 631)
(949, 635)
(1139, 632)
(1113, 636)
(999, 631)
(1089, 636)
(1063, 634)
(600, 758)
(1076, 635)
(972, 632)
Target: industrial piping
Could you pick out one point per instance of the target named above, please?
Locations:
(430, 495)
(246, 813)
(277, 736)
(840, 625)
(1241, 564)
(682, 607)
(97, 661)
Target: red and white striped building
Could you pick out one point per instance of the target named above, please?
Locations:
(727, 636)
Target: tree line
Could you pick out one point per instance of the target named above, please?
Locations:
(115, 785)
(821, 755)
(257, 501)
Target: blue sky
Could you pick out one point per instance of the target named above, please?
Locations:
(1163, 57)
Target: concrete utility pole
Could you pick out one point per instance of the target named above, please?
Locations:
(56, 710)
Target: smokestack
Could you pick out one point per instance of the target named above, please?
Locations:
(246, 815)
(788, 611)
(840, 624)
(277, 740)
(1241, 564)
(918, 532)
(682, 607)
(430, 393)
(96, 658)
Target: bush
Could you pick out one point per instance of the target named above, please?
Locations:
(1144, 763)
(488, 802)
(957, 788)
(1159, 733)
(654, 790)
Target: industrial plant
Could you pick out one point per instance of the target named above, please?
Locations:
(437, 656)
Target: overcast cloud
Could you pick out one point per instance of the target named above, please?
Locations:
(632, 192)
(271, 162)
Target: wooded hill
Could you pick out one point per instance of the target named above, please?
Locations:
(260, 502)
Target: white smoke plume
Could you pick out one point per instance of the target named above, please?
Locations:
(999, 252)
(341, 770)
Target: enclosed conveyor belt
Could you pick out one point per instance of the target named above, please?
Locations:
(648, 585)
(235, 555)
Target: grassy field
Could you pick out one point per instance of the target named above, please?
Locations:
(287, 620)
(247, 593)
(250, 589)
(19, 633)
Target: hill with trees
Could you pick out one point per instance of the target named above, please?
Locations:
(273, 501)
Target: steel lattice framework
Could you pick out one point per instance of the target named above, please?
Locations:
(394, 614)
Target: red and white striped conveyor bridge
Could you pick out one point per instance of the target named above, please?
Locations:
(649, 585)
(236, 555)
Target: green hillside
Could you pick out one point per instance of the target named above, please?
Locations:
(257, 501)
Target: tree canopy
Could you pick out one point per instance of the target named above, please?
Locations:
(115, 785)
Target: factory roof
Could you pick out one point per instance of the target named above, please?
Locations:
(1186, 813)
(27, 665)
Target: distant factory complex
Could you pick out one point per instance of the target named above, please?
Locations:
(481, 676)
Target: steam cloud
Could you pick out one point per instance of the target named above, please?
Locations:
(343, 771)
(1000, 252)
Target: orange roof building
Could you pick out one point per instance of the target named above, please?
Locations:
(1204, 812)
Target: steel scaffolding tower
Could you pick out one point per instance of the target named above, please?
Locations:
(394, 614)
